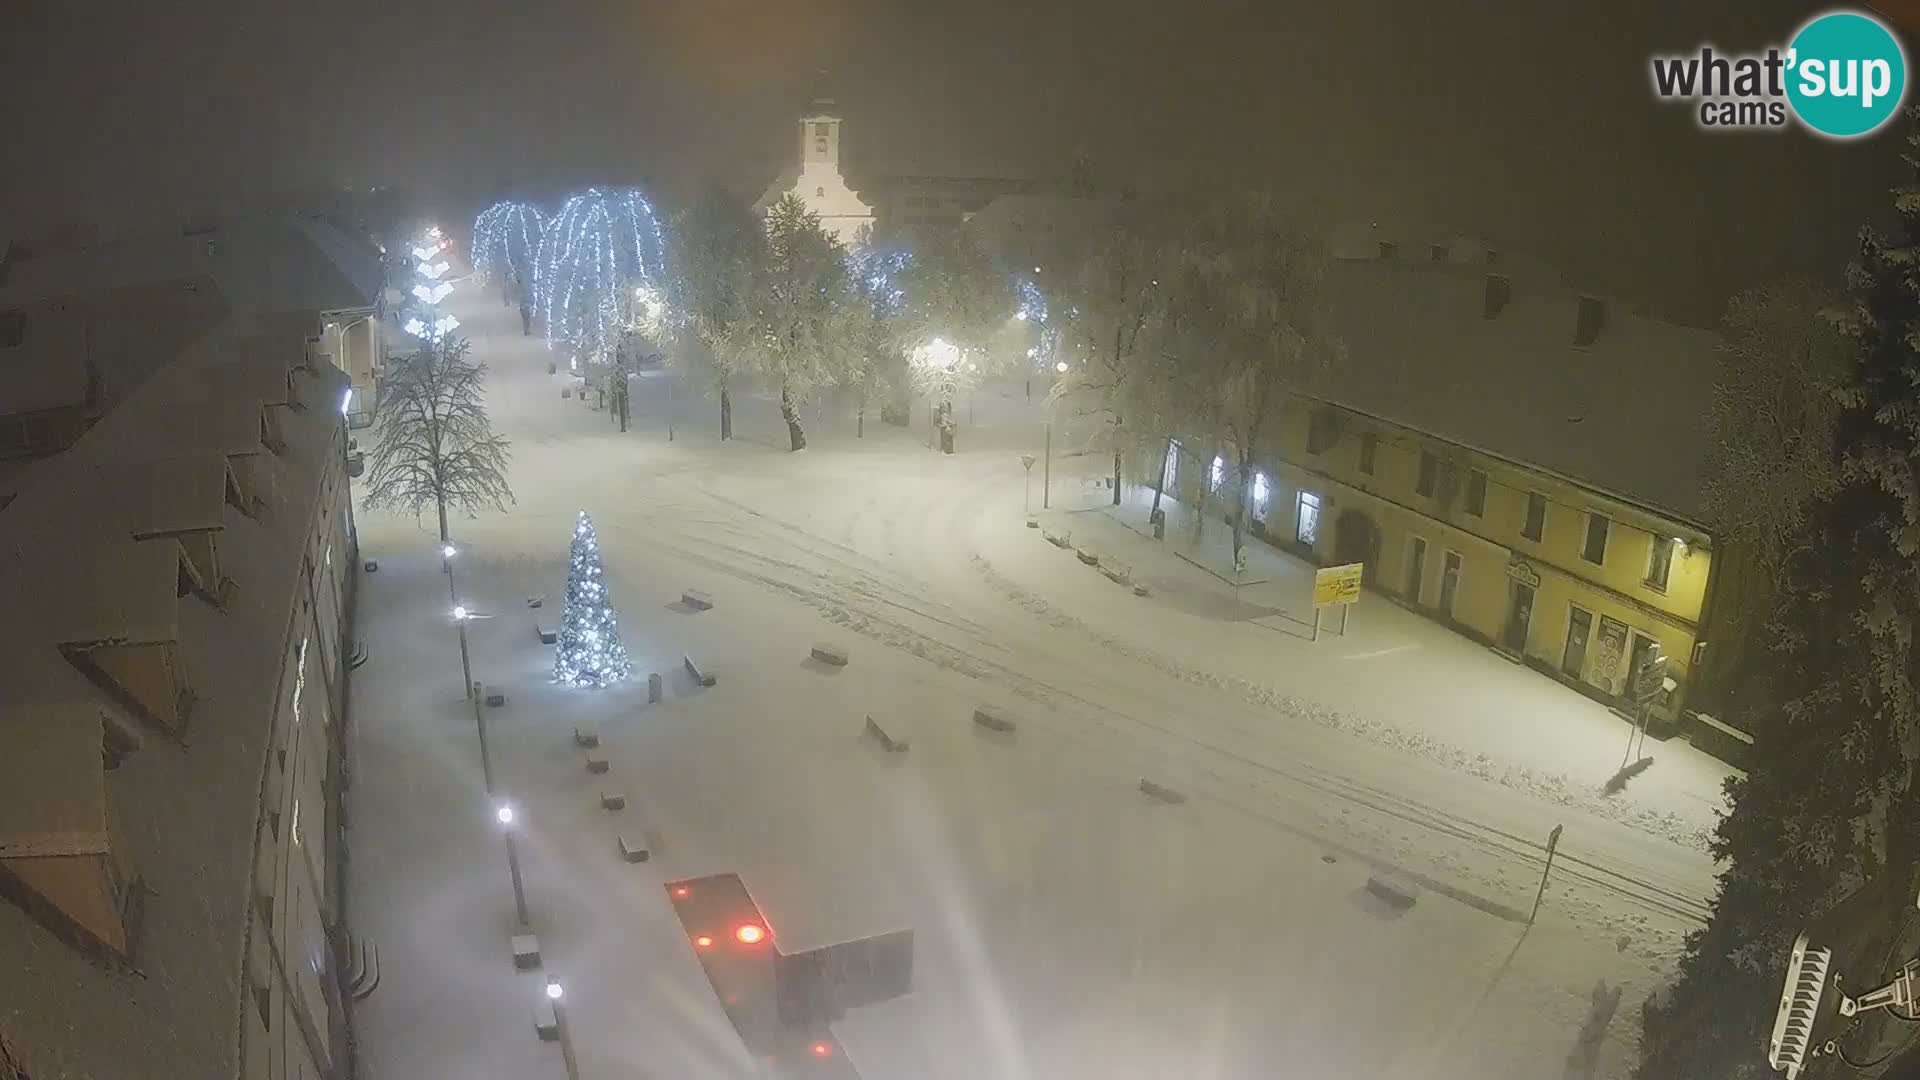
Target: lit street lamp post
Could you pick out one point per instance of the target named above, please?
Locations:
(447, 552)
(504, 814)
(460, 617)
(560, 1024)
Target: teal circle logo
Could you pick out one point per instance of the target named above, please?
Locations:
(1846, 74)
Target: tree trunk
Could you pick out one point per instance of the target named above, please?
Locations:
(860, 422)
(1160, 482)
(1116, 459)
(795, 436)
(726, 413)
(440, 497)
(1242, 503)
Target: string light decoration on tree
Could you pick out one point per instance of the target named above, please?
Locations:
(602, 245)
(506, 239)
(1033, 310)
(588, 652)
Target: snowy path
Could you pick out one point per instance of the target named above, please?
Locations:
(1193, 949)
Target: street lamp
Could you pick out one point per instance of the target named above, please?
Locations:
(554, 994)
(504, 815)
(460, 617)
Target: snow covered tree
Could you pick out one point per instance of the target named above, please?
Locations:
(955, 300)
(433, 444)
(802, 324)
(875, 270)
(1249, 300)
(717, 245)
(588, 650)
(1770, 457)
(1828, 803)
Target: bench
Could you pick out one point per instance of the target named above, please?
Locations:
(545, 1023)
(585, 736)
(693, 669)
(829, 654)
(1115, 575)
(653, 688)
(697, 600)
(1156, 791)
(1398, 892)
(634, 850)
(887, 742)
(495, 699)
(526, 951)
(1086, 556)
(597, 763)
(547, 634)
(613, 800)
(991, 718)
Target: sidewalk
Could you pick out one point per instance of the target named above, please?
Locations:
(1395, 677)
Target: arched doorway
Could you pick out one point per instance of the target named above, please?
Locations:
(1356, 539)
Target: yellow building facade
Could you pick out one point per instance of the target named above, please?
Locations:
(1516, 460)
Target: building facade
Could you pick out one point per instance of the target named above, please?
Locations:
(818, 181)
(1521, 465)
(173, 667)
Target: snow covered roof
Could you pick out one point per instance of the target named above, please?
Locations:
(260, 265)
(101, 344)
(88, 551)
(1625, 414)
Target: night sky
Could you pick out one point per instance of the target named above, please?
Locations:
(1530, 122)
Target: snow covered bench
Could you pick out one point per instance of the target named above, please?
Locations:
(829, 654)
(1397, 891)
(887, 742)
(991, 718)
(586, 737)
(693, 669)
(613, 799)
(1159, 792)
(632, 850)
(547, 634)
(597, 762)
(697, 600)
(1086, 556)
(526, 951)
(545, 1024)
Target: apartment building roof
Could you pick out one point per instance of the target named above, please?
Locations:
(1495, 367)
(220, 450)
(260, 265)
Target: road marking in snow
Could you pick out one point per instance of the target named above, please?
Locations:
(1378, 652)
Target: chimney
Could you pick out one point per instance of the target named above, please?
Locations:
(1499, 291)
(1388, 249)
(1592, 316)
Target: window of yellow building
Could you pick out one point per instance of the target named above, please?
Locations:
(1476, 493)
(1429, 474)
(1536, 524)
(1595, 549)
(1369, 444)
(1659, 561)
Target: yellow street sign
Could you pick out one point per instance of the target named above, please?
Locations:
(1337, 584)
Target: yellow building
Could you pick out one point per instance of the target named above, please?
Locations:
(1519, 463)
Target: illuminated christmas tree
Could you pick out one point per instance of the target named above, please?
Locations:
(589, 652)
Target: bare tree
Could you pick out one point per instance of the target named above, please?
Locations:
(1251, 302)
(433, 445)
(1113, 302)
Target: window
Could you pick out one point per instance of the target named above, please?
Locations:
(1429, 474)
(13, 328)
(1476, 493)
(1218, 474)
(821, 130)
(1320, 433)
(819, 193)
(1306, 525)
(1659, 561)
(1536, 523)
(1369, 444)
(1260, 493)
(1596, 549)
(820, 146)
(1170, 476)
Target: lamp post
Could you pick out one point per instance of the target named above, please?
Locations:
(504, 815)
(1046, 472)
(447, 552)
(460, 617)
(554, 994)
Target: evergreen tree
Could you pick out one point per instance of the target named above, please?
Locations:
(589, 651)
(1828, 804)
